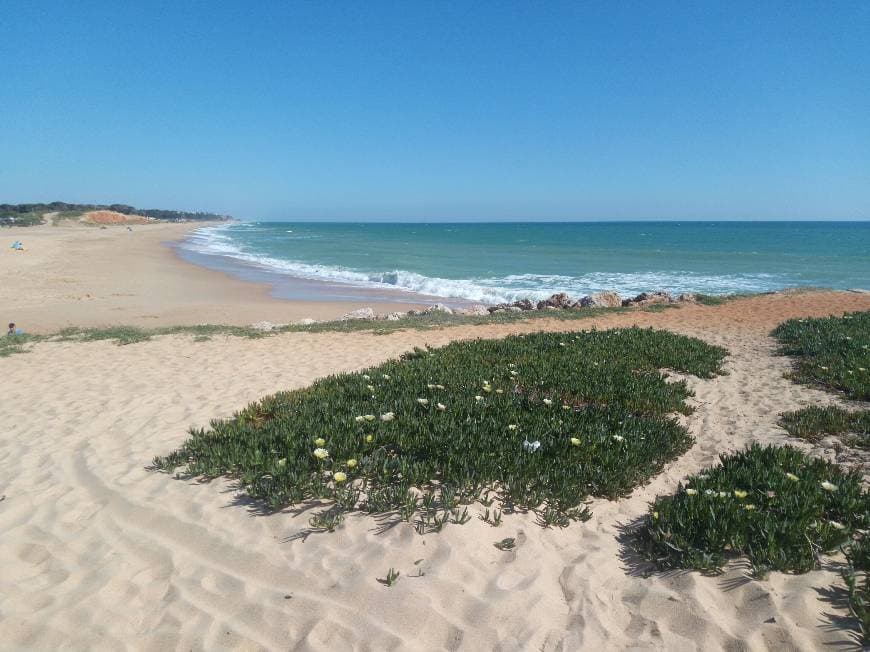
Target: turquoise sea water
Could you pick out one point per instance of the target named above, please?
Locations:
(506, 261)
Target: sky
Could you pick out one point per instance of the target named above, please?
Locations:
(440, 110)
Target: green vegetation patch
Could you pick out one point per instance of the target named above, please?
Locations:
(537, 421)
(831, 352)
(775, 505)
(813, 423)
(857, 578)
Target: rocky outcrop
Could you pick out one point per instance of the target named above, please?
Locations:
(438, 307)
(602, 300)
(560, 300)
(477, 310)
(649, 298)
(361, 313)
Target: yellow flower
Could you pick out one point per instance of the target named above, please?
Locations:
(575, 441)
(837, 526)
(749, 506)
(792, 477)
(282, 462)
(655, 514)
(439, 386)
(738, 493)
(827, 486)
(369, 417)
(487, 387)
(351, 463)
(566, 407)
(691, 491)
(320, 441)
(321, 453)
(370, 438)
(371, 388)
(499, 391)
(339, 476)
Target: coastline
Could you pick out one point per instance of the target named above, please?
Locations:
(148, 561)
(151, 562)
(73, 275)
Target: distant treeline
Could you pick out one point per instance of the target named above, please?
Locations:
(30, 214)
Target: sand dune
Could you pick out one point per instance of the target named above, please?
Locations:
(101, 554)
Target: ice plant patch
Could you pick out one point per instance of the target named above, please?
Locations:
(486, 427)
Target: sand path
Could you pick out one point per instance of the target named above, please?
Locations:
(100, 554)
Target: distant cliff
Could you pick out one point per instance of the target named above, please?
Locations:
(32, 214)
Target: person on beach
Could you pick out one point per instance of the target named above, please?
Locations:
(11, 330)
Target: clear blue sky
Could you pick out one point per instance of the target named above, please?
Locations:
(412, 110)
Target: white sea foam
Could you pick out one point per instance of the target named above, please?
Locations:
(216, 241)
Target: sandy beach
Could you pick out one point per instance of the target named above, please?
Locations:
(99, 553)
(77, 275)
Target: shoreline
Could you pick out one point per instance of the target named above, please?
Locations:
(74, 275)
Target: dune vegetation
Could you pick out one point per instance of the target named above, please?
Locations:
(830, 352)
(813, 423)
(776, 505)
(533, 422)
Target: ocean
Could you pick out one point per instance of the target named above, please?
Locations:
(500, 262)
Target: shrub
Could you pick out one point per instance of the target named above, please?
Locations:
(776, 505)
(813, 423)
(832, 352)
(535, 421)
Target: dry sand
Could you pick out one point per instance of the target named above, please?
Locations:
(79, 275)
(98, 553)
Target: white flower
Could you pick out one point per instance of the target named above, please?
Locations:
(618, 438)
(499, 391)
(708, 492)
(723, 494)
(386, 377)
(827, 486)
(478, 398)
(369, 417)
(487, 387)
(512, 426)
(439, 386)
(548, 401)
(440, 407)
(423, 401)
(566, 407)
(371, 388)
(792, 477)
(691, 492)
(575, 441)
(367, 377)
(430, 386)
(388, 416)
(359, 419)
(321, 453)
(836, 525)
(531, 446)
(514, 373)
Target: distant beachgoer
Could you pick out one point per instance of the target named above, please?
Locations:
(11, 330)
